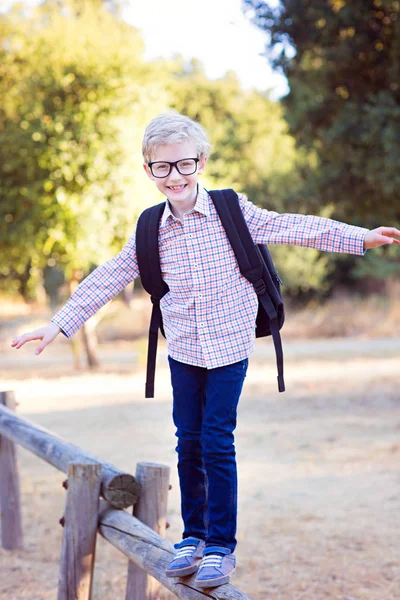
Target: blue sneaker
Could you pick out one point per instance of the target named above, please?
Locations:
(216, 568)
(187, 558)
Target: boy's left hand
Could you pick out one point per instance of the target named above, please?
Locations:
(381, 236)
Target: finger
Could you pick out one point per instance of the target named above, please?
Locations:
(392, 231)
(19, 342)
(42, 346)
(27, 337)
(387, 240)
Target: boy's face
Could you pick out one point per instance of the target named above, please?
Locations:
(179, 189)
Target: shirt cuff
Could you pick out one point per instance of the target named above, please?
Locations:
(352, 241)
(68, 325)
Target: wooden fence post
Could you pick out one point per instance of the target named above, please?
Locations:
(80, 529)
(150, 509)
(10, 505)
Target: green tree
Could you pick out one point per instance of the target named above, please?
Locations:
(342, 61)
(76, 95)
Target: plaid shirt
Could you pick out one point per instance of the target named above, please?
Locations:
(210, 310)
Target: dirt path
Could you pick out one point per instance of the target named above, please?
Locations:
(318, 467)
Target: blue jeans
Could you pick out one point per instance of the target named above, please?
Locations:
(204, 413)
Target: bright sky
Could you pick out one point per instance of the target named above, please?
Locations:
(214, 31)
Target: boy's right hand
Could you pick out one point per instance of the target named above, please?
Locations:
(46, 334)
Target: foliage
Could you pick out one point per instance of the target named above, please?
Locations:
(75, 94)
(342, 61)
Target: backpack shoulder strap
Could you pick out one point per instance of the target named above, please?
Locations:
(147, 251)
(228, 208)
(250, 258)
(148, 258)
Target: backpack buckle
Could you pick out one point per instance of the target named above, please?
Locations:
(260, 287)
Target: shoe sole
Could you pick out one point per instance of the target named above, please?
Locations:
(208, 583)
(184, 571)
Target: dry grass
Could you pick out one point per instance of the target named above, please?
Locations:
(345, 315)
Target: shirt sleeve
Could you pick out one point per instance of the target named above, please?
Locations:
(98, 288)
(269, 227)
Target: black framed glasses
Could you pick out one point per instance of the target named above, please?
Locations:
(185, 166)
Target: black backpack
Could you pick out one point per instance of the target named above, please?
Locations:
(255, 264)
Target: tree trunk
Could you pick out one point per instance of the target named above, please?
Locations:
(89, 343)
(88, 334)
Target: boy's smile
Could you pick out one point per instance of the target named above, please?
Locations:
(181, 190)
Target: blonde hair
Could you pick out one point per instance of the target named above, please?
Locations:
(172, 128)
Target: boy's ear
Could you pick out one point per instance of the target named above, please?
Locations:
(148, 171)
(202, 164)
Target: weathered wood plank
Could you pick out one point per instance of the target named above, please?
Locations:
(150, 509)
(80, 532)
(10, 505)
(152, 553)
(118, 488)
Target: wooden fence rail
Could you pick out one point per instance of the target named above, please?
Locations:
(118, 488)
(88, 478)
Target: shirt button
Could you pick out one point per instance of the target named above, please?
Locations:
(195, 265)
(200, 296)
(201, 324)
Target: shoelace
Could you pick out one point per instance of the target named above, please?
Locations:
(211, 560)
(185, 551)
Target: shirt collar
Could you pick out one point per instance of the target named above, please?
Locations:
(202, 206)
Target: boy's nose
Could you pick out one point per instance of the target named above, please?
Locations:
(174, 173)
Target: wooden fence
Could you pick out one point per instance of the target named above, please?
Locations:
(140, 536)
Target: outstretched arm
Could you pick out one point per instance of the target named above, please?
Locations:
(103, 284)
(97, 289)
(269, 227)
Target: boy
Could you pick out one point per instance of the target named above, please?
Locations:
(209, 320)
